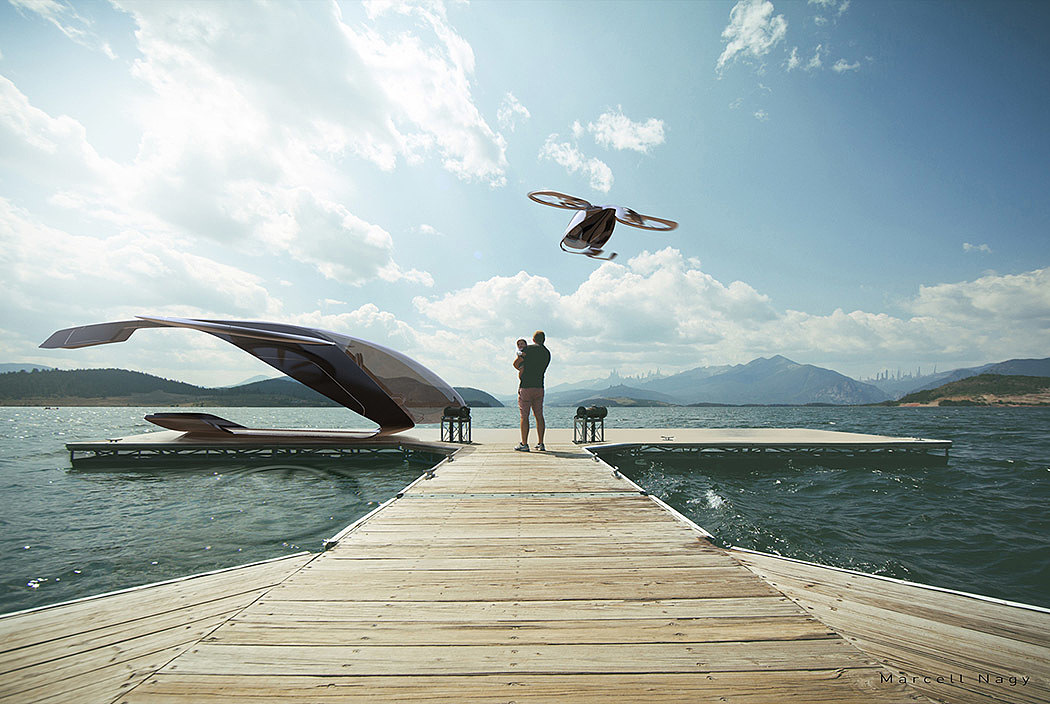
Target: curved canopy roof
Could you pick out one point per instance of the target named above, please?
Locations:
(378, 383)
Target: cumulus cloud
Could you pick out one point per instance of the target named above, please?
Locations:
(841, 66)
(967, 247)
(510, 111)
(230, 153)
(569, 156)
(752, 31)
(661, 308)
(616, 130)
(762, 116)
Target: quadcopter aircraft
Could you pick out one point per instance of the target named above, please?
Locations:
(592, 225)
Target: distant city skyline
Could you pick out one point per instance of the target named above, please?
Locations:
(859, 185)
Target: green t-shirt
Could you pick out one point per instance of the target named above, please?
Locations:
(536, 358)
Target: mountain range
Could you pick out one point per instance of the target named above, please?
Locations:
(764, 381)
(767, 381)
(120, 387)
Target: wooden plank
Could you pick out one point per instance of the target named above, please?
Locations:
(610, 587)
(81, 642)
(799, 687)
(327, 660)
(38, 626)
(103, 685)
(1021, 624)
(275, 631)
(610, 562)
(270, 608)
(83, 668)
(949, 646)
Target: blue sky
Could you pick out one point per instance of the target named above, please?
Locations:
(859, 185)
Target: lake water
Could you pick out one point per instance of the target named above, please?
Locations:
(979, 524)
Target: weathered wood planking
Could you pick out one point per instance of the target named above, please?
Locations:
(923, 634)
(801, 687)
(94, 649)
(511, 576)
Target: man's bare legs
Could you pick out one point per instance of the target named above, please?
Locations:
(541, 425)
(525, 428)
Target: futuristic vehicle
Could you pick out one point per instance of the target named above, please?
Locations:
(592, 225)
(385, 386)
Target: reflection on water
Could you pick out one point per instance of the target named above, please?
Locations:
(72, 533)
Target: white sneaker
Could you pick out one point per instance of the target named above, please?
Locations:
(522, 448)
(541, 448)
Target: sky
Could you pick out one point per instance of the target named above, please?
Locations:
(858, 185)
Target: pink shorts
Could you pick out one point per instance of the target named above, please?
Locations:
(530, 398)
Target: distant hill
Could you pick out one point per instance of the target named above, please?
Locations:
(6, 367)
(773, 380)
(476, 398)
(120, 387)
(249, 380)
(623, 402)
(591, 397)
(986, 390)
(896, 389)
(611, 380)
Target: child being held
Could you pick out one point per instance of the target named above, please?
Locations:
(519, 363)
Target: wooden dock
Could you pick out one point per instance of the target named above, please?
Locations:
(525, 577)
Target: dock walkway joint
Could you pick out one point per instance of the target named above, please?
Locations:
(516, 577)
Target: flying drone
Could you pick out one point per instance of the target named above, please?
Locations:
(592, 225)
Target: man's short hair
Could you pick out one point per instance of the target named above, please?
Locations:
(538, 337)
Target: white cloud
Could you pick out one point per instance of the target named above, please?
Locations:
(752, 31)
(793, 61)
(616, 130)
(967, 247)
(129, 268)
(216, 160)
(762, 116)
(63, 16)
(661, 309)
(510, 110)
(1002, 302)
(841, 66)
(816, 62)
(569, 156)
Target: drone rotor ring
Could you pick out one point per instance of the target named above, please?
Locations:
(559, 200)
(645, 222)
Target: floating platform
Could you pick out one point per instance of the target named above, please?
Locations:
(530, 577)
(283, 444)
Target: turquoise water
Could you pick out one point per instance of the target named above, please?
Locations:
(978, 524)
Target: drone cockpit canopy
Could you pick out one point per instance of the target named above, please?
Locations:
(383, 385)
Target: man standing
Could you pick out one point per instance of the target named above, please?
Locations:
(532, 364)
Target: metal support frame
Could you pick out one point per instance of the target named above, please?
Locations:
(453, 427)
(588, 429)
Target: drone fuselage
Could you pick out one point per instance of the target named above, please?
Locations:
(590, 228)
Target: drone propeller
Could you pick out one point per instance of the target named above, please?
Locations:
(559, 200)
(645, 222)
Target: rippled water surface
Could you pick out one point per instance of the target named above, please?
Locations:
(978, 524)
